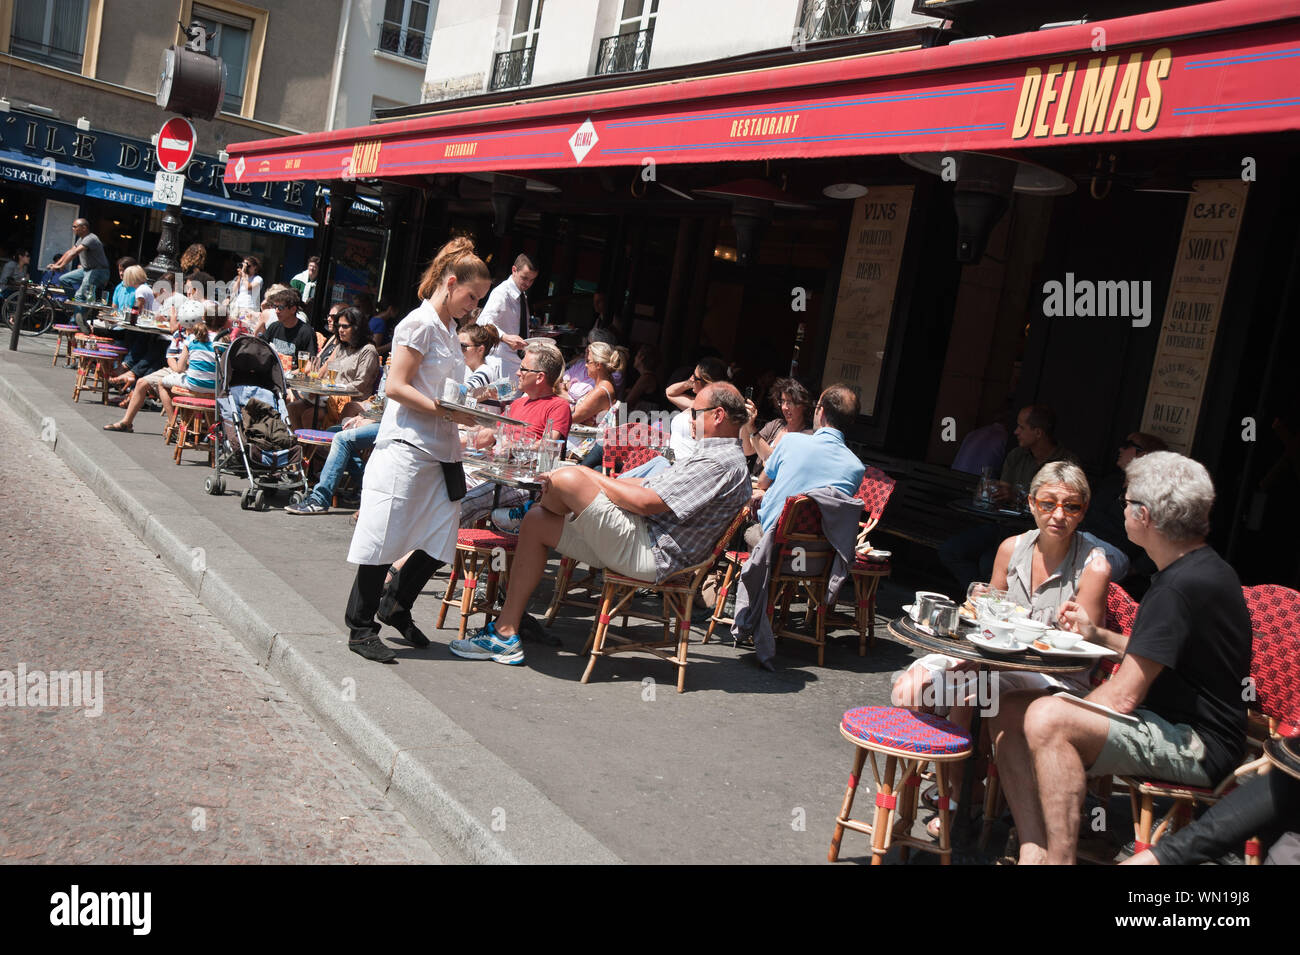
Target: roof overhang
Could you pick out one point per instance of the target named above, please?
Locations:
(1215, 69)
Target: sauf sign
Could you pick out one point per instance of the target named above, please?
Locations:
(1080, 98)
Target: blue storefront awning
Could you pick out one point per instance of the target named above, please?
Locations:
(48, 173)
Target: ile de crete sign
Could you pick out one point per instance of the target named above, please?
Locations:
(40, 138)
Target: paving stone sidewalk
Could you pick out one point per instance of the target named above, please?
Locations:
(198, 756)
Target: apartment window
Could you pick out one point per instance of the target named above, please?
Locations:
(231, 41)
(405, 30)
(50, 31)
(514, 67)
(824, 19)
(629, 49)
(528, 21)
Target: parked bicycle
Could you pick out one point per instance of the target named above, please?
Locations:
(42, 306)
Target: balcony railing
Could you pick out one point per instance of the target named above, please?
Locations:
(825, 19)
(624, 52)
(403, 41)
(512, 68)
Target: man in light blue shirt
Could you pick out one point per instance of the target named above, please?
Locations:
(802, 462)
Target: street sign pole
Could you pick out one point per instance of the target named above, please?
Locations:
(173, 149)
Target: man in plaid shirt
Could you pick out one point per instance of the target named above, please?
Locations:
(648, 528)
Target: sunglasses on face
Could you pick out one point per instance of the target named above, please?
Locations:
(1048, 508)
(695, 412)
(1135, 446)
(284, 308)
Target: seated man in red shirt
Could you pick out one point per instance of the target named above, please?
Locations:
(541, 410)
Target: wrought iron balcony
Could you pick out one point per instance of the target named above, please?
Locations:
(825, 19)
(512, 68)
(403, 41)
(624, 52)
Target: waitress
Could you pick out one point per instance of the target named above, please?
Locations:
(410, 496)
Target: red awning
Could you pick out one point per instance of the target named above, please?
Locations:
(1215, 69)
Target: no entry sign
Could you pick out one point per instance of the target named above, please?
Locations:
(175, 144)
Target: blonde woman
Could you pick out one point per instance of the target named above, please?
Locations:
(603, 362)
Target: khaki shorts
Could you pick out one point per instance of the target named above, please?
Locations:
(607, 536)
(1171, 752)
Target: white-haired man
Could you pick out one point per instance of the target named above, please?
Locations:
(1180, 683)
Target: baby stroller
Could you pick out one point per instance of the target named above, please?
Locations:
(250, 369)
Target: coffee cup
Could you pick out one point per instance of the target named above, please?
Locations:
(1027, 631)
(920, 610)
(1000, 633)
(1064, 639)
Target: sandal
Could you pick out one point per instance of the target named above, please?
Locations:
(119, 426)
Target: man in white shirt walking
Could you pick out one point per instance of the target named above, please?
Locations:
(507, 309)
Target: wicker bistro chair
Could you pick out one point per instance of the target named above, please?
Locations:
(624, 448)
(678, 593)
(876, 489)
(802, 562)
(94, 367)
(195, 418)
(909, 741)
(67, 340)
(311, 440)
(1275, 675)
(476, 551)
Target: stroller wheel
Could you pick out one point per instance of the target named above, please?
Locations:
(214, 485)
(297, 497)
(246, 500)
(259, 500)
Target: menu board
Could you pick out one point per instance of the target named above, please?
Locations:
(864, 307)
(1191, 319)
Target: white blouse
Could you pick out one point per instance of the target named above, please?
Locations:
(423, 331)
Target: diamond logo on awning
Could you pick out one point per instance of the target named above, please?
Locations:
(582, 140)
(239, 169)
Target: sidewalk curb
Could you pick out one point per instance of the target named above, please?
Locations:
(455, 791)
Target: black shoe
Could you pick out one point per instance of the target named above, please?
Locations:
(533, 632)
(372, 648)
(401, 621)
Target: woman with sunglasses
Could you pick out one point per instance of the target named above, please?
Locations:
(355, 364)
(682, 395)
(1041, 570)
(476, 345)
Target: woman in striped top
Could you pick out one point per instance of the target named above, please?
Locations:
(476, 344)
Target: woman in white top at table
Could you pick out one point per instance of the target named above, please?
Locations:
(406, 507)
(1041, 570)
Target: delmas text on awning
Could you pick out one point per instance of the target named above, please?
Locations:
(1224, 68)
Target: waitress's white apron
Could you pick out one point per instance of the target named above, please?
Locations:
(404, 507)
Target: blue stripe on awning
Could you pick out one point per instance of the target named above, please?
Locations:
(100, 184)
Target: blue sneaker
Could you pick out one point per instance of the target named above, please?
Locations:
(487, 644)
(508, 519)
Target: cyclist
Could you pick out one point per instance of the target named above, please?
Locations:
(86, 281)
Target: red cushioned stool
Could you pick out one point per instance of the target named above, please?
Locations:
(909, 741)
(194, 419)
(63, 347)
(477, 550)
(94, 368)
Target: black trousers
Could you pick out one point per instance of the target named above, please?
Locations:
(1264, 806)
(369, 593)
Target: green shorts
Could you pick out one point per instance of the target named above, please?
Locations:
(1169, 752)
